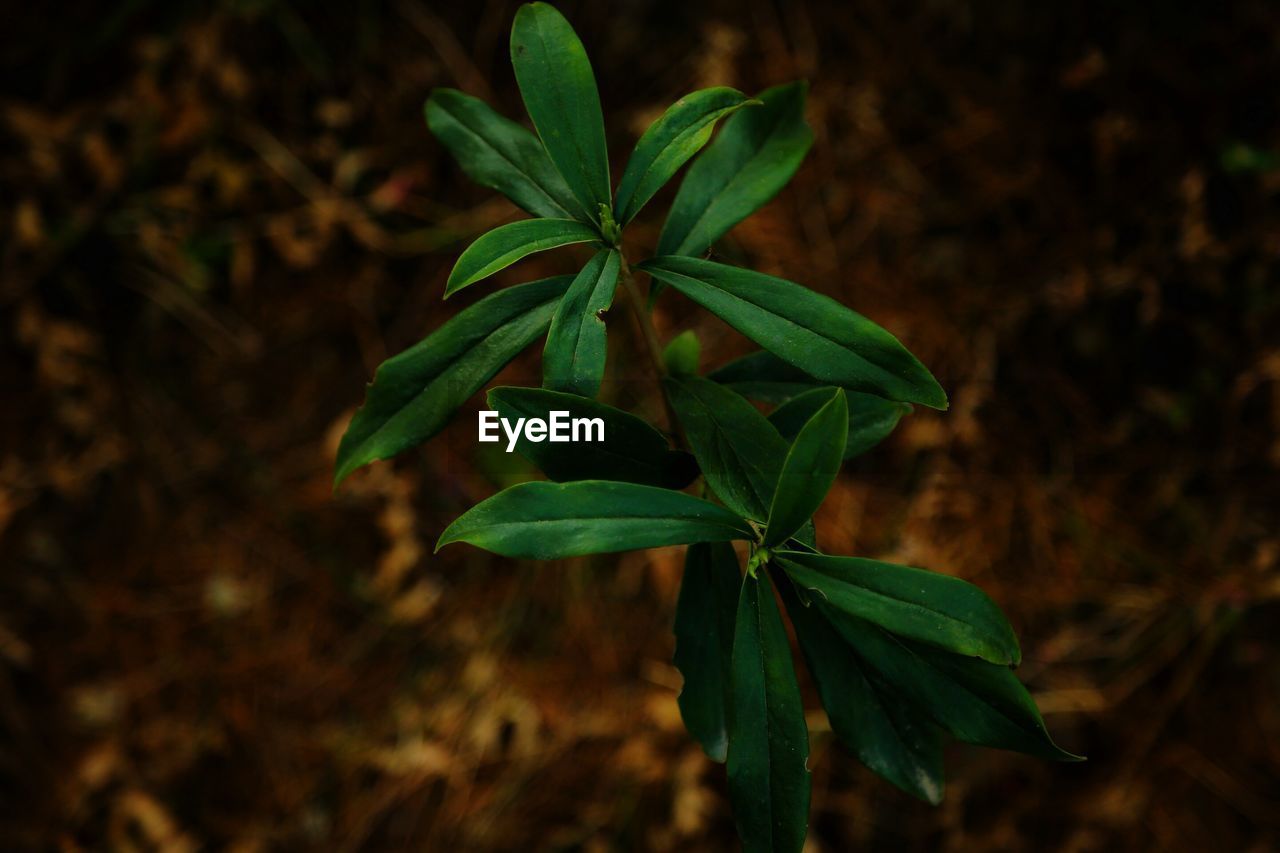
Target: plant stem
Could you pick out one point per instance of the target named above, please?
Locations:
(654, 347)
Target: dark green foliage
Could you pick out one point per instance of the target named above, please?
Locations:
(901, 657)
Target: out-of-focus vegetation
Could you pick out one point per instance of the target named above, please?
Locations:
(214, 214)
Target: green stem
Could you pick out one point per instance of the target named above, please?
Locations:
(654, 347)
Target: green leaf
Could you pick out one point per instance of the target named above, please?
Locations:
(574, 357)
(681, 354)
(632, 451)
(559, 91)
(809, 470)
(414, 393)
(976, 701)
(740, 452)
(768, 740)
(677, 135)
(546, 521)
(933, 608)
(704, 642)
(756, 153)
(496, 152)
(813, 332)
(871, 418)
(886, 734)
(506, 244)
(763, 376)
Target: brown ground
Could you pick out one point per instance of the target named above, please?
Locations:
(215, 223)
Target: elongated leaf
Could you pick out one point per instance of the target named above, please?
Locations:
(496, 152)
(933, 608)
(559, 91)
(816, 334)
(546, 521)
(768, 740)
(705, 615)
(763, 376)
(574, 357)
(414, 393)
(506, 244)
(871, 418)
(976, 701)
(809, 470)
(632, 451)
(756, 153)
(677, 135)
(886, 734)
(739, 452)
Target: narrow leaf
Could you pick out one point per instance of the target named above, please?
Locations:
(739, 451)
(763, 376)
(559, 91)
(506, 244)
(756, 153)
(976, 701)
(871, 418)
(927, 606)
(704, 642)
(813, 332)
(414, 393)
(496, 152)
(677, 135)
(574, 357)
(546, 521)
(809, 470)
(631, 451)
(768, 740)
(887, 735)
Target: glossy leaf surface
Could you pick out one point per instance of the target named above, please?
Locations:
(546, 521)
(871, 418)
(574, 357)
(887, 735)
(559, 91)
(926, 606)
(705, 615)
(808, 470)
(768, 739)
(506, 244)
(496, 152)
(413, 394)
(756, 153)
(669, 142)
(813, 332)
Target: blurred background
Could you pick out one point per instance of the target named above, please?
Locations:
(217, 218)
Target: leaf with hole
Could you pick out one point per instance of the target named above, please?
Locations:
(573, 360)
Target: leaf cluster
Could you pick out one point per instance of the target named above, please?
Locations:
(903, 658)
